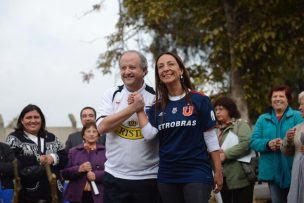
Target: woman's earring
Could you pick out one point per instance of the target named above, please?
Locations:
(182, 78)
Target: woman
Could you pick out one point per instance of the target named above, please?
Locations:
(85, 168)
(237, 188)
(184, 122)
(293, 145)
(34, 147)
(269, 130)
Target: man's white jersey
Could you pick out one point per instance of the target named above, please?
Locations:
(129, 154)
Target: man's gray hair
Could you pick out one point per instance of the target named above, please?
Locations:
(301, 95)
(143, 60)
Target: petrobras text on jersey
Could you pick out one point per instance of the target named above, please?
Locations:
(176, 124)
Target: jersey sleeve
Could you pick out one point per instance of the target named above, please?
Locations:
(206, 114)
(106, 106)
(151, 116)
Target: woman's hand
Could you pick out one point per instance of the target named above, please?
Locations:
(275, 144)
(290, 134)
(85, 167)
(91, 176)
(302, 149)
(131, 98)
(218, 181)
(46, 159)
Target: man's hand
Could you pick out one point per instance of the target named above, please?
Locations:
(138, 102)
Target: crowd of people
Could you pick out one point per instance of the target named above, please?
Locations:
(157, 145)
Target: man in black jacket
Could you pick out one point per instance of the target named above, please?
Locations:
(87, 114)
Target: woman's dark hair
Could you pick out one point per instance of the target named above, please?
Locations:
(228, 104)
(281, 88)
(88, 125)
(25, 110)
(162, 91)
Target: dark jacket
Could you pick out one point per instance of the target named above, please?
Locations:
(6, 166)
(34, 180)
(77, 156)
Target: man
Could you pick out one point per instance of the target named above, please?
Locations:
(87, 114)
(132, 161)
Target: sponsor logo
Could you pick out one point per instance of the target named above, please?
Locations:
(187, 110)
(176, 124)
(128, 133)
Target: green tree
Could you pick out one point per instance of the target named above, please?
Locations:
(241, 48)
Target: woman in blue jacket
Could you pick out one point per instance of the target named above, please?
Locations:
(270, 129)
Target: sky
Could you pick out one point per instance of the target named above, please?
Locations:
(44, 47)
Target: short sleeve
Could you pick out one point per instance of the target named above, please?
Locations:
(206, 114)
(106, 106)
(151, 116)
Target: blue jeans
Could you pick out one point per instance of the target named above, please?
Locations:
(184, 192)
(277, 194)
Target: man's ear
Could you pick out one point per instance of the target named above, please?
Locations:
(145, 71)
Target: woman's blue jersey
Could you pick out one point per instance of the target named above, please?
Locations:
(183, 153)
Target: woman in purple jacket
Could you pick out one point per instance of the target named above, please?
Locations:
(85, 169)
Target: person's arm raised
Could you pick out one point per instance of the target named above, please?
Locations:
(111, 122)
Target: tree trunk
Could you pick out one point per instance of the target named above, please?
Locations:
(236, 82)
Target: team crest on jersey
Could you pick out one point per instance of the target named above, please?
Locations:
(187, 110)
(174, 110)
(132, 123)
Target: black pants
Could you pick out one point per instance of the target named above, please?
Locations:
(241, 195)
(118, 190)
(185, 192)
(86, 198)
